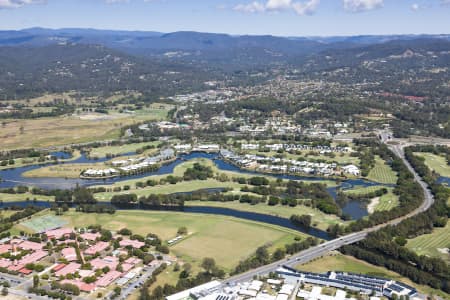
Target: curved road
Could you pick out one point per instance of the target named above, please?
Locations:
(320, 250)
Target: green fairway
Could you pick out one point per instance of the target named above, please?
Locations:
(23, 197)
(435, 244)
(118, 150)
(320, 219)
(387, 202)
(226, 239)
(435, 162)
(339, 262)
(362, 190)
(180, 187)
(382, 172)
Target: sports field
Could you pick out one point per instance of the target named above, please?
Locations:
(226, 239)
(435, 162)
(435, 244)
(382, 172)
(44, 223)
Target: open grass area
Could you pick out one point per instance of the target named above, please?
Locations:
(180, 187)
(382, 172)
(22, 162)
(387, 202)
(62, 130)
(362, 190)
(226, 239)
(437, 163)
(4, 197)
(63, 170)
(319, 219)
(339, 262)
(435, 244)
(118, 150)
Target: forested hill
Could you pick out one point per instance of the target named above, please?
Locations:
(29, 71)
(408, 67)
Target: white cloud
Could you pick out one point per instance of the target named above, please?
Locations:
(116, 1)
(252, 7)
(18, 3)
(362, 5)
(278, 4)
(307, 8)
(301, 8)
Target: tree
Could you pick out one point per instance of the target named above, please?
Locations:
(35, 281)
(182, 230)
(5, 291)
(208, 264)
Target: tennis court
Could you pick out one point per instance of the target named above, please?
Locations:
(44, 223)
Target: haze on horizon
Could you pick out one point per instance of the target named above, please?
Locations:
(275, 17)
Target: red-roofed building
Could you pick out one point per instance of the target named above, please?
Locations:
(5, 263)
(25, 271)
(27, 245)
(84, 287)
(58, 233)
(133, 243)
(109, 261)
(90, 236)
(98, 247)
(69, 269)
(59, 267)
(33, 257)
(108, 278)
(5, 248)
(69, 254)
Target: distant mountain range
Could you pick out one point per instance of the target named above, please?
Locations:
(36, 60)
(156, 43)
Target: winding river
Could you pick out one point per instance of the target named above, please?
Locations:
(14, 177)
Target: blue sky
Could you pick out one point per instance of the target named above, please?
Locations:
(277, 17)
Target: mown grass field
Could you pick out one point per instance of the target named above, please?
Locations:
(382, 172)
(118, 150)
(180, 187)
(435, 162)
(387, 202)
(339, 262)
(23, 197)
(226, 239)
(433, 244)
(362, 190)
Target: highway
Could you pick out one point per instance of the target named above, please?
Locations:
(322, 249)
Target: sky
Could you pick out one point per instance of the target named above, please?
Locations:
(275, 17)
